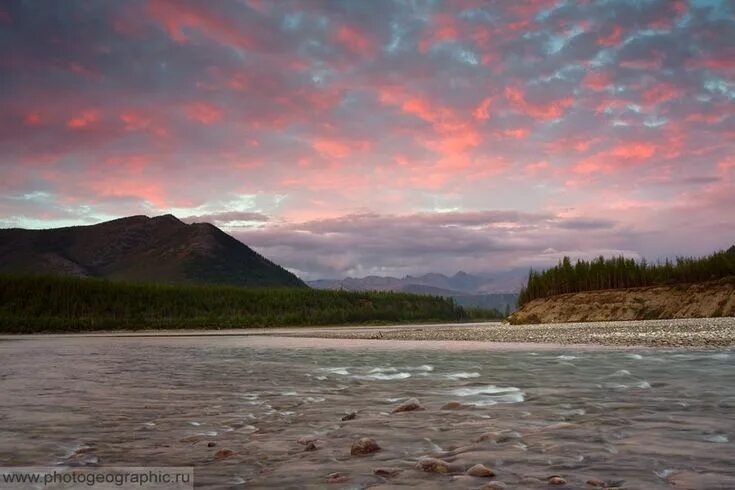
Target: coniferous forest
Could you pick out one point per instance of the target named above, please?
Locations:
(621, 272)
(52, 303)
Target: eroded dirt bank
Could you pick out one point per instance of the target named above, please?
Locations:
(714, 299)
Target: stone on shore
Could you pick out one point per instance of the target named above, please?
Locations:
(364, 446)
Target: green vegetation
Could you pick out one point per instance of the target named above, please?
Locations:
(52, 304)
(620, 272)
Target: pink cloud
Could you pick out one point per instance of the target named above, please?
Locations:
(549, 110)
(481, 111)
(32, 118)
(204, 113)
(83, 120)
(354, 40)
(612, 38)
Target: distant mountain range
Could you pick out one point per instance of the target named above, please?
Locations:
(139, 248)
(496, 291)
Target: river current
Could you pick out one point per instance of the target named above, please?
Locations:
(639, 419)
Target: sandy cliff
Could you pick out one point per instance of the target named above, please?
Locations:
(713, 299)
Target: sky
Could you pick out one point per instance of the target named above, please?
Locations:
(356, 137)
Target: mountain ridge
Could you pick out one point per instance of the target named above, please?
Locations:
(141, 248)
(466, 289)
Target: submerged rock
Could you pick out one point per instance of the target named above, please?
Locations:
(337, 478)
(495, 485)
(596, 483)
(311, 446)
(211, 444)
(453, 406)
(433, 465)
(363, 446)
(349, 416)
(480, 470)
(408, 406)
(223, 453)
(387, 472)
(556, 480)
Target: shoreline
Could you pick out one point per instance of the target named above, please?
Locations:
(679, 333)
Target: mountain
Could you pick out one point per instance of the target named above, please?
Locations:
(467, 289)
(139, 248)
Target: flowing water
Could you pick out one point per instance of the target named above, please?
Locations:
(649, 418)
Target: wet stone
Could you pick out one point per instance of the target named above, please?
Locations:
(480, 470)
(495, 485)
(409, 406)
(556, 480)
(387, 472)
(453, 406)
(432, 465)
(223, 453)
(337, 478)
(349, 416)
(363, 446)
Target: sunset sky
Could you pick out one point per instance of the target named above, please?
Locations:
(378, 137)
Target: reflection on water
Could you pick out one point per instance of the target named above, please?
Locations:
(651, 418)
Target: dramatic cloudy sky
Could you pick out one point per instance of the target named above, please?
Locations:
(372, 136)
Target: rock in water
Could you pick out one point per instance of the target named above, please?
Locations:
(408, 406)
(556, 480)
(363, 446)
(223, 453)
(495, 485)
(453, 406)
(432, 465)
(337, 478)
(349, 416)
(481, 470)
(386, 472)
(596, 483)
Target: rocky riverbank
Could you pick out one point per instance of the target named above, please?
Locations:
(697, 332)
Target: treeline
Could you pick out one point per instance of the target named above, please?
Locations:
(52, 304)
(620, 272)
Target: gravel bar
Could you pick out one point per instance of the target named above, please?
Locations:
(689, 332)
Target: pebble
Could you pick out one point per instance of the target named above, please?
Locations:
(223, 453)
(408, 406)
(433, 465)
(481, 470)
(363, 446)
